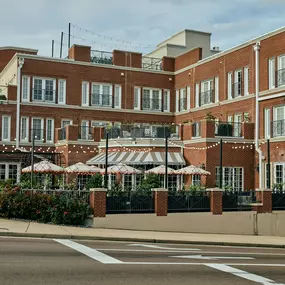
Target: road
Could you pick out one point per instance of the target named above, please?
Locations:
(43, 261)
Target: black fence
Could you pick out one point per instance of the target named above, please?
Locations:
(278, 201)
(129, 204)
(225, 129)
(238, 201)
(188, 203)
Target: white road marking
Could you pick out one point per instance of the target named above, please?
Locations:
(165, 248)
(243, 274)
(90, 252)
(212, 257)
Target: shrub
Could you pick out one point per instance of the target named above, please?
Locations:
(151, 181)
(94, 182)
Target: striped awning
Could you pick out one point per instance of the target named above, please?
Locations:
(156, 158)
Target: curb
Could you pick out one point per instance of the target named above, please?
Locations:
(55, 236)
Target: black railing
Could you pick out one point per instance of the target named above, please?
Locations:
(62, 134)
(101, 100)
(206, 97)
(151, 63)
(152, 104)
(37, 134)
(45, 95)
(237, 89)
(280, 77)
(278, 128)
(183, 104)
(85, 133)
(278, 200)
(225, 129)
(196, 129)
(102, 57)
(129, 204)
(188, 203)
(238, 201)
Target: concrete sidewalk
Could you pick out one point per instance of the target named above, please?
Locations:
(32, 229)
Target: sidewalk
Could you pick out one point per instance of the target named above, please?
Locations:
(32, 229)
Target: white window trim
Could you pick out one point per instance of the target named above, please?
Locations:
(217, 90)
(279, 66)
(83, 103)
(101, 93)
(139, 97)
(64, 91)
(151, 99)
(246, 81)
(188, 96)
(236, 81)
(42, 127)
(182, 95)
(197, 90)
(230, 83)
(210, 84)
(267, 123)
(43, 88)
(233, 176)
(52, 130)
(27, 130)
(168, 100)
(119, 106)
(70, 120)
(28, 88)
(9, 128)
(271, 73)
(177, 100)
(274, 172)
(7, 169)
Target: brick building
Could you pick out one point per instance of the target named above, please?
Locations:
(197, 97)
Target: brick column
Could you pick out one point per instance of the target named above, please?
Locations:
(264, 196)
(98, 202)
(216, 201)
(160, 201)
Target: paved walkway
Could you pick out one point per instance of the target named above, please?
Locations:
(32, 229)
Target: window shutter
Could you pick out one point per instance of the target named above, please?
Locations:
(177, 101)
(6, 128)
(85, 93)
(166, 101)
(62, 91)
(50, 130)
(216, 89)
(118, 96)
(271, 73)
(188, 97)
(137, 98)
(246, 74)
(197, 103)
(230, 75)
(25, 89)
(24, 129)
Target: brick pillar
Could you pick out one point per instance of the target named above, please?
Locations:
(161, 201)
(264, 196)
(216, 201)
(98, 202)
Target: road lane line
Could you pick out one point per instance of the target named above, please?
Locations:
(165, 248)
(90, 252)
(212, 257)
(243, 274)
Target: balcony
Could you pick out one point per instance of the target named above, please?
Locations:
(206, 98)
(280, 77)
(85, 133)
(151, 63)
(278, 128)
(44, 95)
(237, 89)
(62, 134)
(152, 104)
(101, 57)
(224, 129)
(102, 100)
(183, 104)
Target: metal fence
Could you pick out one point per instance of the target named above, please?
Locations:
(278, 201)
(238, 201)
(188, 203)
(129, 204)
(102, 57)
(85, 133)
(151, 63)
(278, 128)
(225, 129)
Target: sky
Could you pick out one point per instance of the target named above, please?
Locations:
(134, 25)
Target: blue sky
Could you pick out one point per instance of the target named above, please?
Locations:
(144, 23)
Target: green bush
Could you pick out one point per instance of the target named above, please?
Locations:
(60, 208)
(150, 182)
(94, 182)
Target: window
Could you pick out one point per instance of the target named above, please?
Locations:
(232, 178)
(10, 171)
(281, 71)
(25, 88)
(82, 180)
(271, 73)
(6, 128)
(237, 125)
(196, 180)
(246, 80)
(62, 91)
(166, 100)
(2, 172)
(85, 93)
(44, 90)
(50, 130)
(230, 76)
(85, 132)
(182, 103)
(197, 90)
(206, 96)
(111, 180)
(279, 175)
(118, 96)
(99, 124)
(196, 129)
(128, 181)
(230, 119)
(37, 129)
(266, 123)
(101, 95)
(278, 127)
(137, 98)
(188, 97)
(177, 101)
(65, 122)
(24, 128)
(216, 89)
(151, 99)
(238, 83)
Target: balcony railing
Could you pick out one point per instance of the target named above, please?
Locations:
(37, 134)
(142, 131)
(102, 100)
(225, 129)
(183, 104)
(102, 57)
(151, 63)
(237, 89)
(62, 134)
(152, 104)
(85, 133)
(196, 129)
(206, 97)
(280, 77)
(44, 95)
(278, 128)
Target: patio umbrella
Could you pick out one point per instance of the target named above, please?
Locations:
(44, 167)
(121, 169)
(81, 168)
(161, 170)
(192, 170)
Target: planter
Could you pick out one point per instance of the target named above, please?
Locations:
(89, 221)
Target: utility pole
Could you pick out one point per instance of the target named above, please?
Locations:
(32, 159)
(268, 165)
(166, 162)
(221, 164)
(69, 34)
(61, 43)
(52, 48)
(106, 161)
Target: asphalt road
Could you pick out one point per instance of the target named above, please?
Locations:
(38, 261)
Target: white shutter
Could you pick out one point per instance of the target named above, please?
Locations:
(177, 101)
(25, 89)
(266, 123)
(50, 130)
(197, 95)
(118, 97)
(246, 78)
(230, 78)
(216, 89)
(188, 97)
(137, 98)
(271, 73)
(230, 119)
(62, 91)
(281, 69)
(6, 128)
(85, 93)
(24, 129)
(166, 101)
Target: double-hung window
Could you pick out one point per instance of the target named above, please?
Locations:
(232, 178)
(151, 99)
(25, 89)
(10, 171)
(166, 100)
(37, 132)
(24, 129)
(101, 95)
(281, 71)
(62, 91)
(278, 127)
(6, 128)
(183, 100)
(44, 89)
(50, 130)
(137, 98)
(206, 95)
(279, 175)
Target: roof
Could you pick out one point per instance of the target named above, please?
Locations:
(18, 48)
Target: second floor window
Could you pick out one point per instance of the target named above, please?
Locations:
(101, 95)
(44, 90)
(6, 128)
(207, 94)
(151, 99)
(237, 86)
